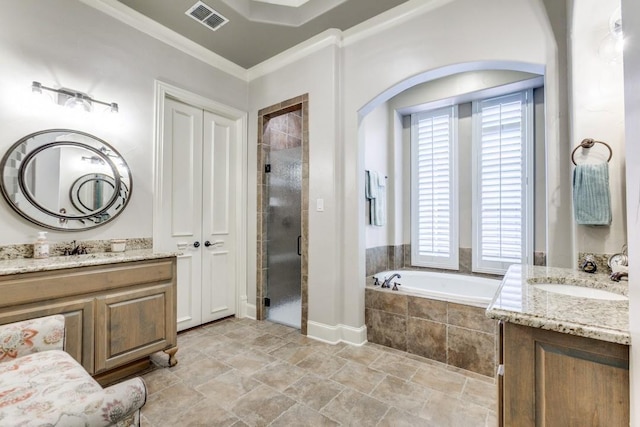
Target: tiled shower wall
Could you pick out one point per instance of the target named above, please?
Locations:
(280, 127)
(384, 258)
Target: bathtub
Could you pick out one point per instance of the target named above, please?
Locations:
(440, 316)
(456, 288)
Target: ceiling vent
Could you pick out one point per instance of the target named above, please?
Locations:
(206, 16)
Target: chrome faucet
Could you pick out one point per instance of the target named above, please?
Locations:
(387, 280)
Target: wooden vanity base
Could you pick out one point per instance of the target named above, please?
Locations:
(116, 315)
(173, 361)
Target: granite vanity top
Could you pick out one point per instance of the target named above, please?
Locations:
(519, 301)
(29, 265)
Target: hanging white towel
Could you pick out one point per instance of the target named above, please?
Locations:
(379, 208)
(371, 184)
(591, 198)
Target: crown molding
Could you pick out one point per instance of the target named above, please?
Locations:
(142, 23)
(329, 37)
(386, 20)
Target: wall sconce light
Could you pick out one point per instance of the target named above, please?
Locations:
(73, 99)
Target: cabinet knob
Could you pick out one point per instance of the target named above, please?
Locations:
(207, 243)
(196, 244)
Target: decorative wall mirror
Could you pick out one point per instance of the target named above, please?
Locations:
(65, 180)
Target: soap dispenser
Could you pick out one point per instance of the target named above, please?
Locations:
(41, 246)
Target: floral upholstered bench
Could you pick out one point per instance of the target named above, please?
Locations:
(41, 385)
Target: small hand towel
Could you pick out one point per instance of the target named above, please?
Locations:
(371, 184)
(591, 198)
(379, 204)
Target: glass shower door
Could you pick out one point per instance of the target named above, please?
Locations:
(284, 227)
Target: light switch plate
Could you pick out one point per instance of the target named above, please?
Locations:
(320, 205)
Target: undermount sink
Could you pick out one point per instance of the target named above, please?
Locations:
(580, 291)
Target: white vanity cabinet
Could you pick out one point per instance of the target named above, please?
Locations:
(117, 314)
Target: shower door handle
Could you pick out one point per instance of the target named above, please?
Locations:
(299, 245)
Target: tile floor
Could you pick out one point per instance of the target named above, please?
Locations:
(242, 372)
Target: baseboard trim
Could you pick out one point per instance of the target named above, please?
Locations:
(337, 334)
(247, 310)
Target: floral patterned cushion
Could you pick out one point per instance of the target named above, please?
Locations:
(31, 336)
(52, 389)
(49, 388)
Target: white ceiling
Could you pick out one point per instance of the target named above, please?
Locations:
(259, 29)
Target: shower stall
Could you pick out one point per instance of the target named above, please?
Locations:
(284, 220)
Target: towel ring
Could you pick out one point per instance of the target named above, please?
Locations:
(588, 143)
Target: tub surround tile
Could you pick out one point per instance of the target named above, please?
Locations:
(387, 329)
(427, 339)
(391, 302)
(464, 260)
(399, 257)
(428, 309)
(471, 350)
(470, 317)
(518, 301)
(376, 260)
(540, 258)
(432, 329)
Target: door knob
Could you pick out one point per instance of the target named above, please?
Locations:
(196, 244)
(207, 243)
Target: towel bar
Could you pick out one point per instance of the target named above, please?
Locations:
(588, 143)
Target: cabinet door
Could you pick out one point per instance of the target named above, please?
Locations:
(134, 323)
(554, 379)
(78, 326)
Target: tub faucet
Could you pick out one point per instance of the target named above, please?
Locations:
(387, 280)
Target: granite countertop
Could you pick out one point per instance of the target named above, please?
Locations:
(29, 265)
(518, 301)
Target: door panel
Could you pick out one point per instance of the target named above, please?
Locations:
(198, 206)
(219, 264)
(181, 221)
(284, 227)
(188, 312)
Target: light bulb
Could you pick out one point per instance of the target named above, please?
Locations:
(78, 102)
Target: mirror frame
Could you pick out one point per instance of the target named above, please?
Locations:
(58, 220)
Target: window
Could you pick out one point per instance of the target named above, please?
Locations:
(502, 199)
(434, 193)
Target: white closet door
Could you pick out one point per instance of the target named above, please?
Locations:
(181, 193)
(219, 216)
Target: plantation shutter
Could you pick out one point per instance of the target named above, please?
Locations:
(434, 189)
(501, 192)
